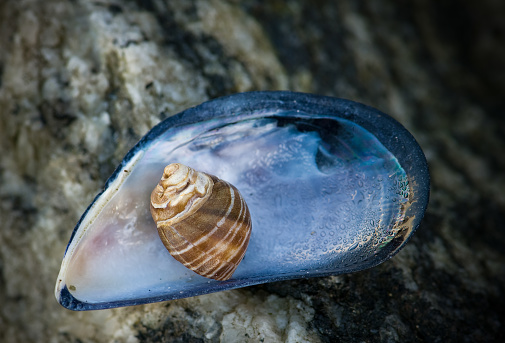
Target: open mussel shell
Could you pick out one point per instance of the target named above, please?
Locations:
(332, 186)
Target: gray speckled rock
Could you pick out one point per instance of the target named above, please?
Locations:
(81, 82)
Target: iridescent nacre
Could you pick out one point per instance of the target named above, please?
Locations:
(332, 186)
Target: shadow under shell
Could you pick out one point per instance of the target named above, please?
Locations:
(332, 186)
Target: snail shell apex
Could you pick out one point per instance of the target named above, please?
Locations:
(203, 221)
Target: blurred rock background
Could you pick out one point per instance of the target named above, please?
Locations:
(82, 81)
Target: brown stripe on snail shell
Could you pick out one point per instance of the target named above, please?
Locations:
(203, 221)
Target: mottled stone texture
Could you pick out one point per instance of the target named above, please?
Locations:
(82, 81)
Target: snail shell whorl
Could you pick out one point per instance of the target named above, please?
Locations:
(203, 221)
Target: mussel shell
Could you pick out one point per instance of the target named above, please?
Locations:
(333, 186)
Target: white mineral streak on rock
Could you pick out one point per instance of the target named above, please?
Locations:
(269, 318)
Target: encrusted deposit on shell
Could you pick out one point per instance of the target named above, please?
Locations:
(332, 186)
(203, 221)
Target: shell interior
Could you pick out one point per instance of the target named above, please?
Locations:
(332, 186)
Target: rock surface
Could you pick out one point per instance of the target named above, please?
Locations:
(81, 82)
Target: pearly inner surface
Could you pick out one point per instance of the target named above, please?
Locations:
(323, 193)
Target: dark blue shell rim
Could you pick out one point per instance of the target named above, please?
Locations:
(384, 127)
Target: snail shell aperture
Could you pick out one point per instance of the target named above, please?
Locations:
(203, 221)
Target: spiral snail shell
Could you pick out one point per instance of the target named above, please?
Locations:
(203, 221)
